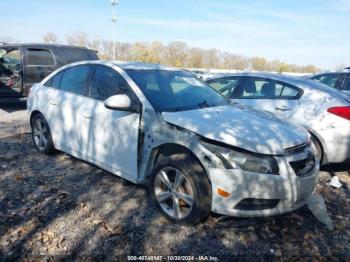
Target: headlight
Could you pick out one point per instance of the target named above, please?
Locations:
(233, 159)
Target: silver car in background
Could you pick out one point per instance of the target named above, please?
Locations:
(322, 110)
(339, 80)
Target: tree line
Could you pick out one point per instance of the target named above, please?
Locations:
(178, 54)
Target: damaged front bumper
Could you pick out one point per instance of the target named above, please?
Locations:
(252, 194)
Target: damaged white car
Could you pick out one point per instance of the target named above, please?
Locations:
(162, 127)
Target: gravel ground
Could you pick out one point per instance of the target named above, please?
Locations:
(59, 206)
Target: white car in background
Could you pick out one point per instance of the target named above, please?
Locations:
(322, 110)
(163, 127)
(339, 80)
(201, 74)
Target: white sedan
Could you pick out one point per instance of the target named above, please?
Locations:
(162, 127)
(322, 110)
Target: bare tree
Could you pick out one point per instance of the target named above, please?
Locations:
(50, 38)
(195, 58)
(233, 61)
(177, 54)
(259, 63)
(78, 39)
(212, 58)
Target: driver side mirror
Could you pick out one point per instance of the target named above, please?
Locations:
(121, 103)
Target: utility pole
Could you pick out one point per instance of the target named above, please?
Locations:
(114, 22)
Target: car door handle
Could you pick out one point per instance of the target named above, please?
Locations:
(87, 116)
(283, 108)
(53, 102)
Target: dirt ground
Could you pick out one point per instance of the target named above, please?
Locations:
(59, 207)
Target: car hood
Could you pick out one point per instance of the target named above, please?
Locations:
(242, 127)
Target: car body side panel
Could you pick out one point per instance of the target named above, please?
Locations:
(111, 137)
(283, 107)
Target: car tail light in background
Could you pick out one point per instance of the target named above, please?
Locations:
(342, 111)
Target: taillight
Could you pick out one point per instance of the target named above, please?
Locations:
(342, 111)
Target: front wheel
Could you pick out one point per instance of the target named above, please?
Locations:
(181, 189)
(318, 148)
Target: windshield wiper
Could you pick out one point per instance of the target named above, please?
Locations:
(203, 104)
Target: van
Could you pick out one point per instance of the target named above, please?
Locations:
(22, 65)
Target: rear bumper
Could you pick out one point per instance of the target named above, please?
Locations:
(290, 190)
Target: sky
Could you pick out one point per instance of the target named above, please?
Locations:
(295, 31)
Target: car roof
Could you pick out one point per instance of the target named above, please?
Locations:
(344, 71)
(143, 66)
(40, 45)
(293, 80)
(274, 76)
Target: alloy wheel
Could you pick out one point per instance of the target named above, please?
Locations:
(40, 133)
(173, 192)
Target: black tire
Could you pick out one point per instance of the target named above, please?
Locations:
(195, 177)
(48, 148)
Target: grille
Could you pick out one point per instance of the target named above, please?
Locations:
(256, 204)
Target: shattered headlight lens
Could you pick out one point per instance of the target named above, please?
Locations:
(236, 159)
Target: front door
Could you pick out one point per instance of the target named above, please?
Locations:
(111, 135)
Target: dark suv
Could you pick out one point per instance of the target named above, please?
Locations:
(22, 65)
(338, 80)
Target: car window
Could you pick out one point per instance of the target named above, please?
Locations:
(10, 61)
(73, 79)
(289, 91)
(107, 82)
(258, 88)
(39, 57)
(225, 86)
(54, 81)
(266, 89)
(327, 79)
(346, 85)
(317, 78)
(68, 55)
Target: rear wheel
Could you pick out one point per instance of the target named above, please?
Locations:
(181, 189)
(41, 135)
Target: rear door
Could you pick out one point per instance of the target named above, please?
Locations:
(50, 99)
(267, 94)
(70, 105)
(38, 63)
